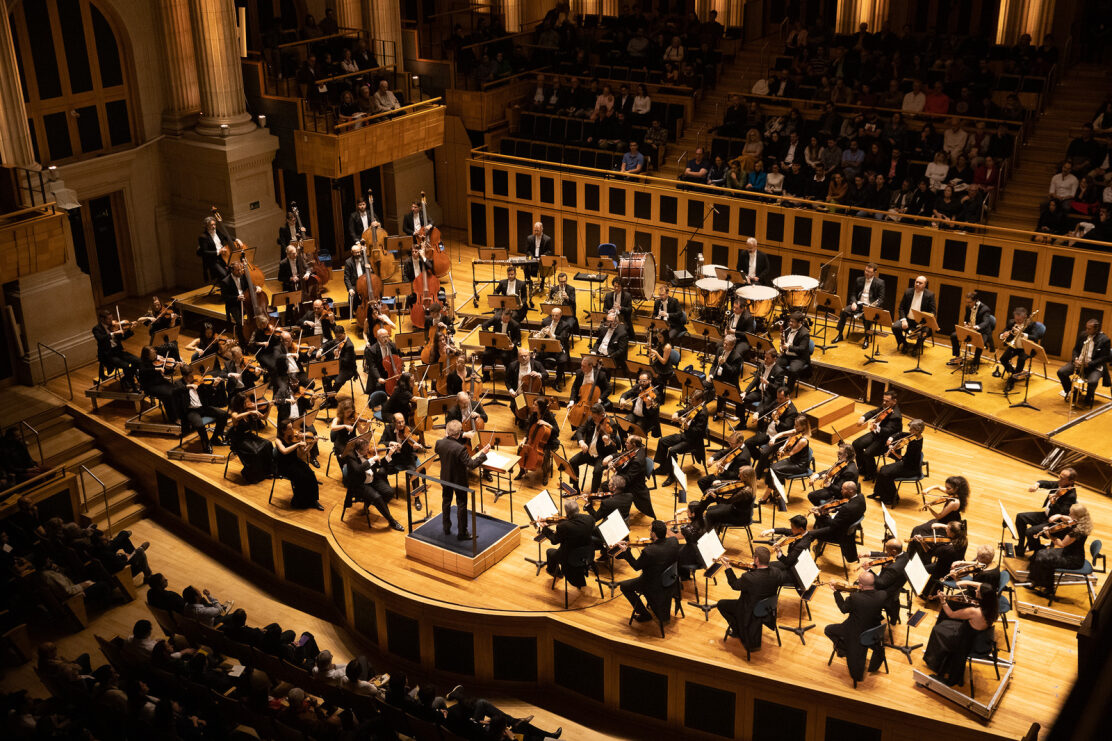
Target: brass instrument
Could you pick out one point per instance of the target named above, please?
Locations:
(1014, 337)
(1079, 383)
(560, 296)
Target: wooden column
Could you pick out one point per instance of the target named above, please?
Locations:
(349, 13)
(184, 99)
(386, 25)
(218, 69)
(15, 136)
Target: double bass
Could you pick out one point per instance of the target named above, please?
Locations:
(393, 367)
(375, 239)
(255, 301)
(319, 273)
(426, 287)
(441, 262)
(368, 287)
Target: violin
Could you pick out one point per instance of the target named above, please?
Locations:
(1059, 526)
(687, 416)
(831, 473)
(744, 565)
(624, 458)
(828, 506)
(968, 570)
(895, 450)
(786, 448)
(787, 541)
(883, 561)
(875, 422)
(723, 462)
(153, 317)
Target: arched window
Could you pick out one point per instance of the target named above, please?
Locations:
(74, 75)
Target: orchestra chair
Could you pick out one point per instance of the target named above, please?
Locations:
(1085, 570)
(1004, 604)
(792, 478)
(765, 611)
(724, 529)
(609, 250)
(924, 472)
(805, 372)
(984, 648)
(670, 580)
(855, 531)
(104, 373)
(274, 476)
(422, 730)
(183, 430)
(650, 473)
(348, 503)
(582, 560)
(872, 639)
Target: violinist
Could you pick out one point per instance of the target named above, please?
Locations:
(541, 414)
(556, 327)
(288, 370)
(205, 344)
(511, 286)
(464, 411)
(767, 378)
(573, 535)
(736, 509)
(940, 558)
(655, 559)
(863, 607)
(954, 634)
(668, 309)
(777, 419)
(753, 586)
(616, 497)
(965, 574)
(212, 248)
(110, 335)
(502, 322)
(907, 449)
(373, 355)
(442, 348)
(795, 349)
(883, 423)
(247, 417)
(1061, 495)
(293, 445)
(589, 373)
(1066, 549)
(406, 446)
(892, 575)
(292, 271)
(521, 368)
(240, 374)
(366, 481)
(341, 348)
(199, 403)
(632, 469)
(828, 483)
(345, 426)
(948, 509)
(299, 401)
(289, 233)
(789, 455)
(620, 302)
(233, 289)
(726, 463)
(461, 373)
(836, 528)
(564, 294)
(266, 342)
(790, 544)
(319, 320)
(597, 438)
(156, 384)
(688, 440)
(360, 220)
(643, 404)
(726, 369)
(612, 339)
(160, 316)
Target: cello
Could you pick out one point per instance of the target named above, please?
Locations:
(531, 384)
(589, 394)
(255, 301)
(474, 424)
(393, 367)
(319, 273)
(532, 451)
(368, 287)
(425, 286)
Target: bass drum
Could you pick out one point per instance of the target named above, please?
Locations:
(637, 273)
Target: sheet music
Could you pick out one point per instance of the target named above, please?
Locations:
(499, 460)
(1008, 522)
(541, 507)
(681, 477)
(613, 529)
(889, 521)
(710, 548)
(917, 574)
(806, 570)
(778, 486)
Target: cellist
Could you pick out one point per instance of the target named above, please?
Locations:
(535, 454)
(597, 438)
(373, 355)
(588, 373)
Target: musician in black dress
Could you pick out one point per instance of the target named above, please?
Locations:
(455, 465)
(828, 483)
(691, 438)
(255, 452)
(162, 316)
(662, 363)
(884, 423)
(864, 609)
(345, 426)
(755, 585)
(597, 439)
(977, 316)
(668, 309)
(787, 456)
(461, 377)
(1061, 495)
(953, 636)
(572, 536)
(365, 480)
(511, 286)
(110, 336)
(868, 290)
(939, 554)
(642, 402)
(292, 445)
(1066, 549)
(654, 560)
(906, 450)
(726, 463)
(948, 508)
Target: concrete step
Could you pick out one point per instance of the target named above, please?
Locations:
(65, 445)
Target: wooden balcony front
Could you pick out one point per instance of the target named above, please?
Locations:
(31, 240)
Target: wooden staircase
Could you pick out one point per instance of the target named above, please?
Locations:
(1075, 102)
(112, 508)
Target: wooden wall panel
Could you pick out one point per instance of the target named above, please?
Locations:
(31, 244)
(338, 155)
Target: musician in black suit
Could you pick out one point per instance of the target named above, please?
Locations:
(732, 507)
(690, 440)
(738, 322)
(535, 244)
(233, 287)
(755, 585)
(1091, 354)
(572, 535)
(753, 264)
(906, 448)
(643, 407)
(612, 339)
(360, 220)
(463, 411)
(373, 355)
(317, 321)
(633, 471)
(404, 455)
(772, 422)
(668, 309)
(511, 286)
(503, 323)
(289, 231)
(562, 293)
(110, 348)
(978, 316)
(836, 529)
(455, 465)
(730, 470)
(1028, 525)
(873, 443)
(655, 559)
(341, 348)
(354, 268)
(728, 362)
(292, 271)
(357, 468)
(555, 327)
(786, 560)
(214, 238)
(414, 221)
(622, 300)
(868, 290)
(595, 444)
(768, 377)
(613, 497)
(415, 263)
(892, 577)
(521, 367)
(864, 609)
(795, 351)
(832, 480)
(1021, 326)
(198, 403)
(917, 297)
(589, 372)
(154, 382)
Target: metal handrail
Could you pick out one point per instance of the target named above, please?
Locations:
(38, 440)
(104, 495)
(65, 364)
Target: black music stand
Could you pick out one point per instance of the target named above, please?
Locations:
(688, 382)
(499, 341)
(549, 265)
(711, 337)
(829, 305)
(1033, 351)
(491, 254)
(513, 303)
(913, 620)
(928, 320)
(727, 392)
(565, 309)
(408, 342)
(969, 339)
(595, 317)
(877, 317)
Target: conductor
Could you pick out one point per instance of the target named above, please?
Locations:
(455, 464)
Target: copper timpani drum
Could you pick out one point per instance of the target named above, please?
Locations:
(712, 294)
(637, 273)
(761, 299)
(796, 291)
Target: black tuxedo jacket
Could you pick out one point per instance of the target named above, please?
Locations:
(801, 346)
(619, 342)
(372, 362)
(407, 224)
(730, 368)
(892, 424)
(753, 586)
(455, 463)
(351, 274)
(528, 245)
(586, 432)
(926, 305)
(285, 274)
(409, 272)
(513, 329)
(625, 311)
(355, 225)
(876, 292)
(1102, 353)
(514, 367)
(457, 414)
(654, 560)
(602, 380)
(762, 266)
(574, 532)
(672, 309)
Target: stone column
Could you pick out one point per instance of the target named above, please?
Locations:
(184, 98)
(15, 136)
(218, 69)
(386, 25)
(349, 13)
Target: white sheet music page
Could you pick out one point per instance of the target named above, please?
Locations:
(710, 548)
(806, 569)
(613, 529)
(541, 507)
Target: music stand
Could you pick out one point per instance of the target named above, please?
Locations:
(546, 344)
(513, 303)
(929, 321)
(409, 341)
(969, 339)
(493, 254)
(1007, 525)
(565, 309)
(711, 336)
(166, 335)
(283, 301)
(829, 305)
(728, 392)
(806, 576)
(1034, 351)
(710, 549)
(393, 290)
(538, 508)
(877, 317)
(636, 368)
(440, 405)
(688, 382)
(321, 369)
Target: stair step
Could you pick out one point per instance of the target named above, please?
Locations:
(112, 479)
(87, 458)
(68, 443)
(126, 517)
(117, 502)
